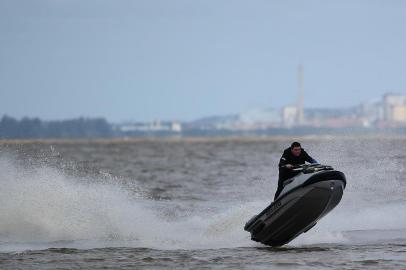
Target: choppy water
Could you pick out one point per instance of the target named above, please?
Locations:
(182, 204)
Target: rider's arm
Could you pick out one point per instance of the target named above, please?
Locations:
(283, 162)
(309, 158)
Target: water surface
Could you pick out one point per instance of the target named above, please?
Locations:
(183, 203)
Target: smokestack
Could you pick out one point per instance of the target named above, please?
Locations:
(300, 114)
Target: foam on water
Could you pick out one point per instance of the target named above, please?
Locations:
(42, 207)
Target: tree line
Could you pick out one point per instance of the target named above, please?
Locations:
(31, 128)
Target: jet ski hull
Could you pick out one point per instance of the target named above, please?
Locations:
(297, 211)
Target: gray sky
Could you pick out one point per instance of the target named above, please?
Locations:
(145, 60)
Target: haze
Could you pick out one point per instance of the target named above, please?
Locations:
(181, 60)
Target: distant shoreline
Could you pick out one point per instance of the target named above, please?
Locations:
(206, 139)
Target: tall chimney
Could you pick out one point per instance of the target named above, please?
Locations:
(300, 114)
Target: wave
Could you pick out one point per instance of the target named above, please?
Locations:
(41, 207)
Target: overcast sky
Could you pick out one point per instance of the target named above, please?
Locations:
(172, 59)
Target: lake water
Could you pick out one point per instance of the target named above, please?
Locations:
(183, 203)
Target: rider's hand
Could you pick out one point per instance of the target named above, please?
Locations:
(289, 166)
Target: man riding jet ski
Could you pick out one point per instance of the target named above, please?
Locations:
(305, 194)
(294, 155)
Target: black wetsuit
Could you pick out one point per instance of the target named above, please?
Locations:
(289, 158)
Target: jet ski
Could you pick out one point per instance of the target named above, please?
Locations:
(305, 198)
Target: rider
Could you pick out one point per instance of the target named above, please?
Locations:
(294, 155)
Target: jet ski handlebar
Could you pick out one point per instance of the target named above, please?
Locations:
(310, 168)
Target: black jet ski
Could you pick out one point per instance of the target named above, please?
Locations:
(308, 196)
